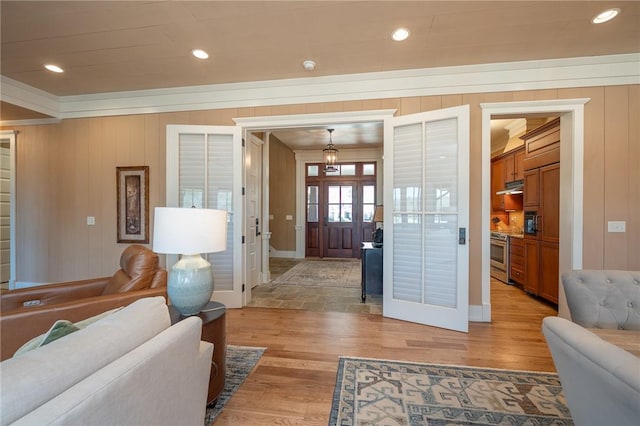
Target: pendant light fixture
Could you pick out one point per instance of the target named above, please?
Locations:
(330, 154)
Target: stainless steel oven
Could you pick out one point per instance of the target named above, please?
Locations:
(499, 249)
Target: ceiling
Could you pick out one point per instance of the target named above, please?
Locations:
(110, 46)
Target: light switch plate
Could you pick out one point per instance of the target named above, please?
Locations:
(616, 226)
(289, 217)
(91, 220)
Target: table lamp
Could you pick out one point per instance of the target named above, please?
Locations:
(189, 232)
(378, 216)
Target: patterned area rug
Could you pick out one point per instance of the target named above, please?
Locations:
(325, 273)
(377, 392)
(239, 363)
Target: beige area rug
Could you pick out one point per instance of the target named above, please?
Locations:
(380, 392)
(323, 273)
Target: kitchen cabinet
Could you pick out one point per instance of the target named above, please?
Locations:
(506, 168)
(541, 251)
(497, 183)
(542, 269)
(542, 195)
(514, 165)
(531, 195)
(549, 275)
(542, 145)
(531, 269)
(516, 260)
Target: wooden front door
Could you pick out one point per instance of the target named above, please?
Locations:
(340, 223)
(340, 209)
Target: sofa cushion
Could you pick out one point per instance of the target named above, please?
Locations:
(60, 329)
(31, 379)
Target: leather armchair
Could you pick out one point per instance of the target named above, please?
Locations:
(29, 312)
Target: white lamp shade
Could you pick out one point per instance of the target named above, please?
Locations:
(189, 231)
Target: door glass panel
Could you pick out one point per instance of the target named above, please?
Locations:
(441, 260)
(348, 169)
(312, 203)
(368, 202)
(334, 213)
(367, 212)
(312, 194)
(347, 194)
(369, 169)
(312, 213)
(334, 194)
(346, 213)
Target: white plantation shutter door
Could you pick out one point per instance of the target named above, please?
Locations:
(426, 269)
(200, 173)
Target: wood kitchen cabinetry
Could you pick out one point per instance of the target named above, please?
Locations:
(516, 260)
(514, 165)
(497, 183)
(542, 200)
(506, 168)
(542, 145)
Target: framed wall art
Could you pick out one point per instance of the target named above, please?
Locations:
(133, 204)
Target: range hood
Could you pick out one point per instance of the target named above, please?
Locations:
(513, 187)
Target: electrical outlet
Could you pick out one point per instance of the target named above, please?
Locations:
(616, 226)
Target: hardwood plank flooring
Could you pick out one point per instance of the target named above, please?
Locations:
(294, 380)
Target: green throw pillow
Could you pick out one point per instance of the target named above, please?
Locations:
(60, 329)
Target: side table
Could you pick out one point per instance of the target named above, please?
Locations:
(214, 330)
(371, 280)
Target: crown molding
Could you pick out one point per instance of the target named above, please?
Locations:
(25, 96)
(510, 76)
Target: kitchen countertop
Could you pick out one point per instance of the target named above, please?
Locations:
(511, 234)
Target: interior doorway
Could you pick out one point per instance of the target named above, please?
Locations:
(366, 123)
(571, 112)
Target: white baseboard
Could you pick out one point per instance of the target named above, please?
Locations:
(480, 313)
(282, 253)
(26, 284)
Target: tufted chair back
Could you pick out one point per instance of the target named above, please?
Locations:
(603, 299)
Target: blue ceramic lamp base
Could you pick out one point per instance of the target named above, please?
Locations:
(190, 284)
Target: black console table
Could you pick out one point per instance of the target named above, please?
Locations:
(371, 270)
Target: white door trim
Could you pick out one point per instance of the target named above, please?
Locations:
(11, 136)
(571, 113)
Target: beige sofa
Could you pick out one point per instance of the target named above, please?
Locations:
(129, 368)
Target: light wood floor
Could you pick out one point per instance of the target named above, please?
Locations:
(293, 382)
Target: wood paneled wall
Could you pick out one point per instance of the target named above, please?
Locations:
(282, 195)
(67, 172)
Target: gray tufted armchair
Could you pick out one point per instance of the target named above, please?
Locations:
(603, 299)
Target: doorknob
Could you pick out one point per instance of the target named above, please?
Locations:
(257, 227)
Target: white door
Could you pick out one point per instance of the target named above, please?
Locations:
(426, 180)
(253, 197)
(204, 170)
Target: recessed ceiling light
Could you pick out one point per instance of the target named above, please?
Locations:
(53, 68)
(200, 54)
(400, 34)
(605, 16)
(309, 65)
